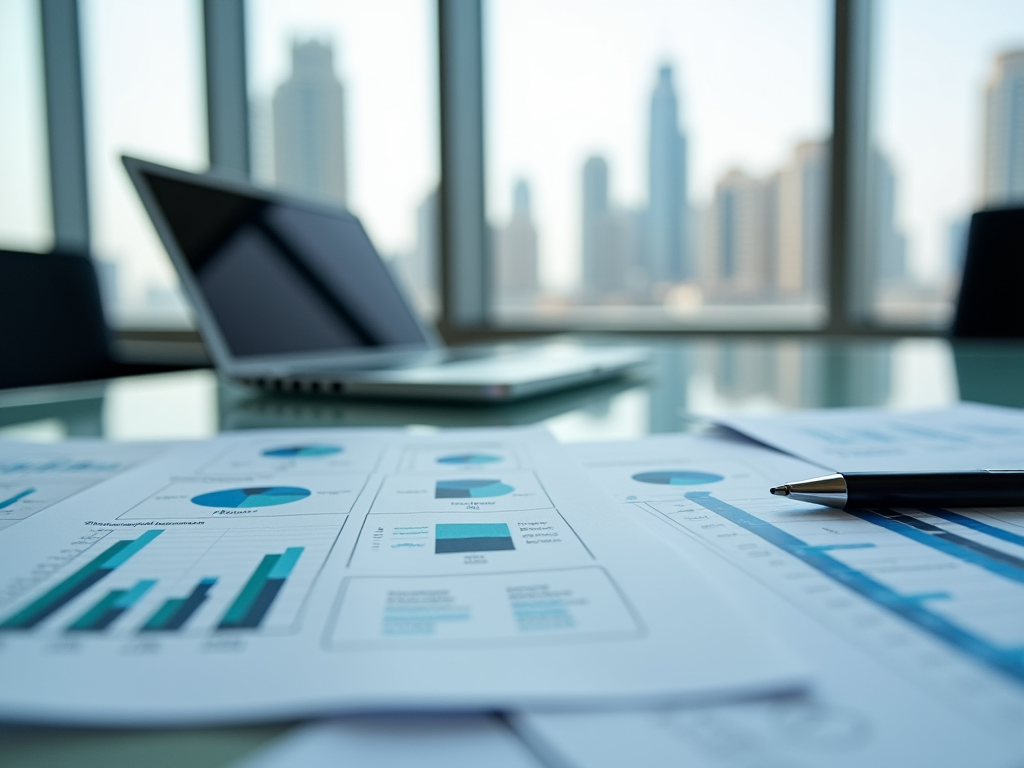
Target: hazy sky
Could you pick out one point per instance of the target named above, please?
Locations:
(566, 78)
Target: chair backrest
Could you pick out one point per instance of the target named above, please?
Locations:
(52, 327)
(991, 303)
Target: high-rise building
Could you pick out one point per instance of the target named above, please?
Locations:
(609, 252)
(516, 248)
(309, 125)
(595, 213)
(888, 243)
(668, 212)
(1003, 152)
(419, 268)
(740, 237)
(802, 218)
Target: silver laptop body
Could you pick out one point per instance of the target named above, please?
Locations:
(290, 294)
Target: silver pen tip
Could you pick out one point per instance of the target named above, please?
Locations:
(782, 490)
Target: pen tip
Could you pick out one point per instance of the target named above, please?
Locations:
(782, 490)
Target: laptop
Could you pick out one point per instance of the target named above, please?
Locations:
(290, 294)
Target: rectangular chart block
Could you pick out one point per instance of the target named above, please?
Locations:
(514, 607)
(472, 537)
(440, 543)
(203, 498)
(491, 492)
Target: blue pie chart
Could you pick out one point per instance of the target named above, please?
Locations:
(677, 477)
(302, 451)
(469, 458)
(470, 488)
(240, 498)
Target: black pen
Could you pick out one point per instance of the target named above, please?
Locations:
(868, 490)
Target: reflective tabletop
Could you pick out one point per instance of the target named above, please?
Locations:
(687, 382)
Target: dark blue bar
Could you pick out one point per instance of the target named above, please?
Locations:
(977, 525)
(1010, 662)
(994, 561)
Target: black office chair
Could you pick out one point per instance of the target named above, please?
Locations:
(991, 303)
(52, 328)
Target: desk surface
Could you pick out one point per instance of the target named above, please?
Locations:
(688, 380)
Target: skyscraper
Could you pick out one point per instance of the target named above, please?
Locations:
(742, 222)
(802, 218)
(595, 212)
(309, 125)
(516, 248)
(888, 242)
(1003, 155)
(668, 210)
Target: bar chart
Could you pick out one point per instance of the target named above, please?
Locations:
(164, 582)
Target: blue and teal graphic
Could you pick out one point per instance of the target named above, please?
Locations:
(471, 537)
(242, 498)
(469, 458)
(302, 451)
(470, 488)
(677, 477)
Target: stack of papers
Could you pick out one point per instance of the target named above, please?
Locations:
(644, 602)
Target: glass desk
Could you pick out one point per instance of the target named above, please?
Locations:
(688, 381)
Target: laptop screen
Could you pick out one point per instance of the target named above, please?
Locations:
(283, 278)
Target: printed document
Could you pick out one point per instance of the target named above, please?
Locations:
(965, 437)
(271, 575)
(915, 647)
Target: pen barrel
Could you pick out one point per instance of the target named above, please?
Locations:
(935, 489)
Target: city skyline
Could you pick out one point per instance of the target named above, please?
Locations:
(760, 238)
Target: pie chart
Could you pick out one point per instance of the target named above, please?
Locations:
(677, 477)
(470, 488)
(240, 498)
(469, 458)
(302, 451)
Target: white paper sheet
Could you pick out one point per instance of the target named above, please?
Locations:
(284, 574)
(444, 741)
(888, 690)
(964, 437)
(34, 476)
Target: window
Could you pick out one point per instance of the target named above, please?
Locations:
(949, 139)
(658, 163)
(144, 95)
(24, 180)
(343, 104)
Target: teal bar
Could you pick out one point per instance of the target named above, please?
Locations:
(88, 619)
(80, 580)
(129, 598)
(286, 563)
(163, 614)
(121, 557)
(240, 608)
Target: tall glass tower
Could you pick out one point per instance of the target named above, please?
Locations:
(668, 236)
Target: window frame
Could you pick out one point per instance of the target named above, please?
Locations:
(466, 252)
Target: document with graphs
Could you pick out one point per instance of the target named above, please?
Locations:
(964, 437)
(283, 574)
(912, 620)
